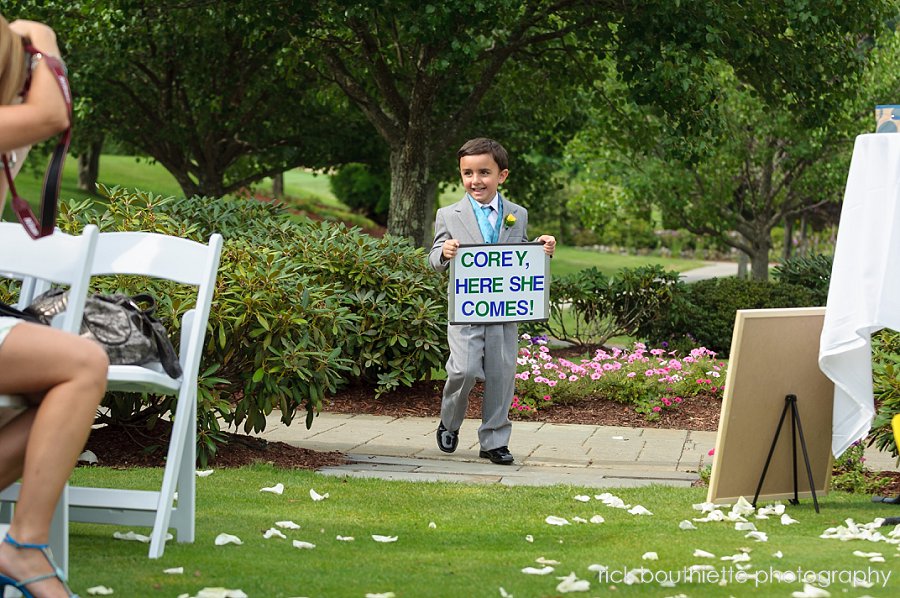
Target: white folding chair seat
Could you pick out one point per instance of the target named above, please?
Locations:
(187, 262)
(62, 259)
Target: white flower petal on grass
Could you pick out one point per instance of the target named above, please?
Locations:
(384, 539)
(758, 536)
(702, 554)
(543, 561)
(504, 593)
(546, 570)
(220, 593)
(174, 571)
(273, 533)
(787, 519)
(287, 525)
(704, 507)
(598, 568)
(303, 545)
(650, 556)
(876, 559)
(345, 538)
(699, 568)
(276, 489)
(614, 502)
(100, 591)
(737, 558)
(810, 591)
(223, 539)
(131, 536)
(686, 525)
(316, 496)
(865, 555)
(742, 507)
(577, 519)
(554, 520)
(432, 525)
(571, 583)
(634, 576)
(382, 595)
(778, 554)
(204, 473)
(582, 498)
(744, 527)
(529, 538)
(597, 519)
(88, 457)
(639, 510)
(715, 515)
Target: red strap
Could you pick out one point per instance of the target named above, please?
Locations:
(53, 176)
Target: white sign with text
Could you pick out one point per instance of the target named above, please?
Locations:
(494, 283)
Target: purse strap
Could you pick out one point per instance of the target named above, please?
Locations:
(53, 177)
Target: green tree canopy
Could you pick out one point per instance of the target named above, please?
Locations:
(211, 90)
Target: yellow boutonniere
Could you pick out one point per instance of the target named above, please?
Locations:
(509, 221)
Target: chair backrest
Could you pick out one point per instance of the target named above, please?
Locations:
(169, 258)
(59, 258)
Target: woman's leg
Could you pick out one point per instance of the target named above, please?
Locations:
(68, 375)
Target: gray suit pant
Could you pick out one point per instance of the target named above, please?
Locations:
(481, 352)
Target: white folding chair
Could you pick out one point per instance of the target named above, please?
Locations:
(61, 259)
(191, 263)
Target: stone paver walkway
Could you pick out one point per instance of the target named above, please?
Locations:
(404, 448)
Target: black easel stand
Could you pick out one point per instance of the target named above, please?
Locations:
(790, 402)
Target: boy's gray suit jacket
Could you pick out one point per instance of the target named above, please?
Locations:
(458, 221)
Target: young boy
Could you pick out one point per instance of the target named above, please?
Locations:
(480, 352)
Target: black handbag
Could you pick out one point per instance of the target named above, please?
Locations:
(8, 311)
(129, 333)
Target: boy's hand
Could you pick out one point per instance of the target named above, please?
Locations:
(449, 249)
(549, 242)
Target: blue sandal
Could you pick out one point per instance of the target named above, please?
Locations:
(20, 585)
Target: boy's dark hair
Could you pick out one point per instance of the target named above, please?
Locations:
(483, 145)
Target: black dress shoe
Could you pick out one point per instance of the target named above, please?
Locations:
(447, 440)
(500, 456)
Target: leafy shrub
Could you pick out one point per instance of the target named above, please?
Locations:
(703, 312)
(886, 386)
(590, 308)
(300, 309)
(812, 272)
(850, 473)
(364, 191)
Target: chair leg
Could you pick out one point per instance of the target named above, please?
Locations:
(185, 415)
(183, 520)
(59, 531)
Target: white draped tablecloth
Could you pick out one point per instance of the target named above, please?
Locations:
(864, 294)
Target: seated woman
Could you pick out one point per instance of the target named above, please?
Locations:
(63, 376)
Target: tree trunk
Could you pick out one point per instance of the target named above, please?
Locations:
(804, 236)
(759, 259)
(410, 198)
(278, 186)
(89, 166)
(743, 262)
(788, 239)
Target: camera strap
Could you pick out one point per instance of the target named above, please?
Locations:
(53, 177)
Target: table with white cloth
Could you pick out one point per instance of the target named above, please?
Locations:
(864, 294)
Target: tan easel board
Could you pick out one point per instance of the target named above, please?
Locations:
(774, 353)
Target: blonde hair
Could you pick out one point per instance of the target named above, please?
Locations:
(12, 64)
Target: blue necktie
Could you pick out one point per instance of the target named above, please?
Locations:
(491, 237)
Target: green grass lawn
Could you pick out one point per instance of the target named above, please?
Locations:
(477, 545)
